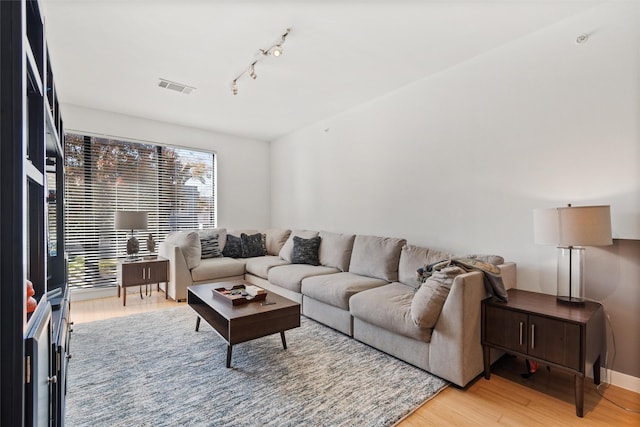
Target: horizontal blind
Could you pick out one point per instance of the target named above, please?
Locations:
(175, 186)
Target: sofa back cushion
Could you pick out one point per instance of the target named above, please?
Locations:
(275, 239)
(376, 257)
(287, 249)
(189, 242)
(336, 249)
(413, 257)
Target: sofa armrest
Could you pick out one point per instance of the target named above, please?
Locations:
(179, 273)
(455, 352)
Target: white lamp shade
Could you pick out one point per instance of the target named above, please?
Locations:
(573, 226)
(130, 220)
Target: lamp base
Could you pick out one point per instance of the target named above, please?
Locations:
(570, 300)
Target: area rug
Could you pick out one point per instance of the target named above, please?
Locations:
(153, 369)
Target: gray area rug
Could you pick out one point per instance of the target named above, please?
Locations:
(153, 369)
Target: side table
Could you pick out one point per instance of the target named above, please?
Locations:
(140, 273)
(537, 327)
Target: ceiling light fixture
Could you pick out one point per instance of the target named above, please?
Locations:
(252, 71)
(275, 50)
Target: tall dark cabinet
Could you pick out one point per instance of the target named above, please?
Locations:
(34, 345)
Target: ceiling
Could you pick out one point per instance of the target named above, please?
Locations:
(110, 54)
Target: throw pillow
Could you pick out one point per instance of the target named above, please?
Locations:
(189, 242)
(210, 246)
(287, 248)
(253, 245)
(233, 247)
(428, 301)
(305, 251)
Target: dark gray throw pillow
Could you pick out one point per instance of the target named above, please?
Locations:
(253, 245)
(210, 246)
(305, 251)
(233, 247)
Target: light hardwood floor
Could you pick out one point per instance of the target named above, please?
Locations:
(546, 399)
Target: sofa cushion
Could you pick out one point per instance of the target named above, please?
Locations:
(253, 245)
(392, 311)
(336, 289)
(413, 257)
(335, 249)
(260, 266)
(189, 243)
(233, 247)
(275, 239)
(290, 276)
(376, 257)
(217, 268)
(209, 246)
(429, 299)
(305, 251)
(221, 232)
(287, 248)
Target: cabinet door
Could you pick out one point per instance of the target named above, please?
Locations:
(157, 271)
(506, 328)
(132, 274)
(555, 340)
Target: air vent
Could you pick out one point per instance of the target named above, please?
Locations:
(178, 87)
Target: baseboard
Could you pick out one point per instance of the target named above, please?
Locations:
(92, 293)
(619, 379)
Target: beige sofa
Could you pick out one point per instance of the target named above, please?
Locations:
(363, 286)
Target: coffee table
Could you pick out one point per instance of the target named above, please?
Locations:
(241, 323)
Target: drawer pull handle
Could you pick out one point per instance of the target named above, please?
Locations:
(533, 336)
(521, 328)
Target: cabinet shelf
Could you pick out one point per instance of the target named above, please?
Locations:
(33, 173)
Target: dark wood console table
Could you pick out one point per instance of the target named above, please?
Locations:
(537, 327)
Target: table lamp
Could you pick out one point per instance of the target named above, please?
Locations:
(570, 229)
(131, 220)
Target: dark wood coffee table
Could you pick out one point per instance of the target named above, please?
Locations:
(245, 322)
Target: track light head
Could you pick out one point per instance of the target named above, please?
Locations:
(276, 50)
(252, 71)
(234, 88)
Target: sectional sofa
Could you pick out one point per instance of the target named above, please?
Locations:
(363, 286)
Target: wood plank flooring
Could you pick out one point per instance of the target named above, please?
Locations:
(546, 399)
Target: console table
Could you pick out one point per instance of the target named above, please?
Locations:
(537, 327)
(142, 272)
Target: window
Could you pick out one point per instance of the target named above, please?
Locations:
(176, 186)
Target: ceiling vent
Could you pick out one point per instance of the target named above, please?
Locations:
(178, 87)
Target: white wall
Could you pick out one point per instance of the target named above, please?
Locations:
(459, 160)
(243, 192)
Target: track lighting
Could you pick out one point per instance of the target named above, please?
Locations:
(275, 50)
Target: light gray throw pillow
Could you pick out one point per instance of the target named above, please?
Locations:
(428, 301)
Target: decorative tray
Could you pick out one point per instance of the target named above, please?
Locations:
(237, 295)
